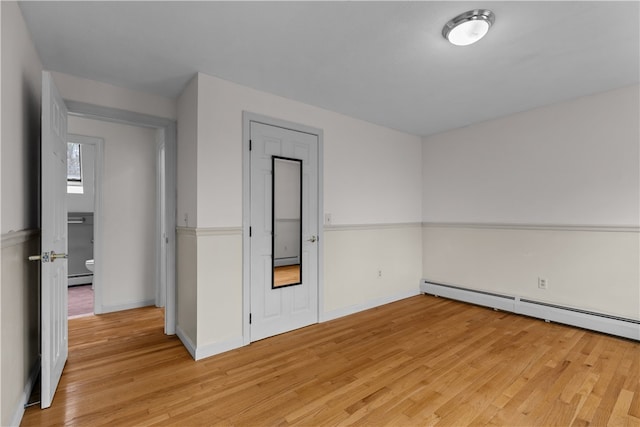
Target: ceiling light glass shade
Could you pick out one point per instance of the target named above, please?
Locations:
(468, 27)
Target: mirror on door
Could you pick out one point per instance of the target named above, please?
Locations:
(286, 222)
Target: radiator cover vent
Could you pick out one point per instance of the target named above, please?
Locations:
(615, 325)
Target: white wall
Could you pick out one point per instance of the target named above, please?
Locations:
(19, 320)
(22, 74)
(372, 175)
(1, 410)
(186, 246)
(187, 155)
(186, 285)
(553, 192)
(84, 202)
(92, 92)
(593, 270)
(570, 163)
(128, 217)
(219, 295)
(370, 265)
(21, 80)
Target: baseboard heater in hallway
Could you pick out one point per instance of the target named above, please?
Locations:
(620, 326)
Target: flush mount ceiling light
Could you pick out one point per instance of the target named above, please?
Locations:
(469, 27)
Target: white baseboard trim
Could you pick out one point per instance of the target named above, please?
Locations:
(627, 328)
(80, 280)
(217, 348)
(186, 341)
(619, 326)
(26, 393)
(341, 312)
(283, 262)
(209, 350)
(486, 299)
(120, 307)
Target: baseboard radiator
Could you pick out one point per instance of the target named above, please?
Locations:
(620, 326)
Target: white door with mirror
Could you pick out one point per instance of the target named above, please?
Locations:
(284, 230)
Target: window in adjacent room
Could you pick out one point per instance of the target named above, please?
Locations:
(74, 168)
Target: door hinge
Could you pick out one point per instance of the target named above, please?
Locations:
(250, 232)
(249, 318)
(250, 145)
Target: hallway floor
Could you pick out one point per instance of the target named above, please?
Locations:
(80, 300)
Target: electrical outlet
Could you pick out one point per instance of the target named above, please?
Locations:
(379, 273)
(327, 219)
(542, 283)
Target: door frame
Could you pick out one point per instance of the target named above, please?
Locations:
(247, 119)
(165, 137)
(98, 165)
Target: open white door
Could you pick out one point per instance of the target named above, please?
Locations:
(53, 280)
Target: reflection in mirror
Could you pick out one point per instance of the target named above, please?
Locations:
(287, 224)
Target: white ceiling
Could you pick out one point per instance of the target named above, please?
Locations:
(384, 62)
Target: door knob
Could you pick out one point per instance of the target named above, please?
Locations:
(48, 256)
(55, 256)
(44, 257)
(312, 239)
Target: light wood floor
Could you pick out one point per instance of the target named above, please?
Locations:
(420, 361)
(286, 275)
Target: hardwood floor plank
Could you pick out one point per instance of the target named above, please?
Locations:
(419, 361)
